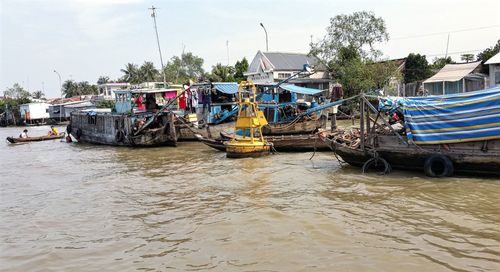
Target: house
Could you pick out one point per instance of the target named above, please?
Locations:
(62, 111)
(107, 89)
(273, 67)
(34, 113)
(494, 63)
(456, 78)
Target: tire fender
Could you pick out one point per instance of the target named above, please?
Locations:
(438, 166)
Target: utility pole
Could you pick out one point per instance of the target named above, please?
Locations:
(267, 45)
(447, 44)
(60, 89)
(227, 48)
(153, 14)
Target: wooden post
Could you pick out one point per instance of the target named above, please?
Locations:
(362, 122)
(368, 123)
(333, 125)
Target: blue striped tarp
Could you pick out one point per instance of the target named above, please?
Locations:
(455, 118)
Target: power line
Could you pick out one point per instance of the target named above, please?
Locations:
(445, 32)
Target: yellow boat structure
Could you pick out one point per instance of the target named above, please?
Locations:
(250, 121)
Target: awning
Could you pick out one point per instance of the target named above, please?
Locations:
(300, 90)
(226, 87)
(453, 72)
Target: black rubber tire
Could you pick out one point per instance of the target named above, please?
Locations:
(68, 128)
(120, 136)
(438, 166)
(78, 133)
(375, 162)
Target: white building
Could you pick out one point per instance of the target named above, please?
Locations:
(34, 112)
(494, 67)
(272, 67)
(107, 89)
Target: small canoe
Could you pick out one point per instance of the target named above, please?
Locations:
(13, 140)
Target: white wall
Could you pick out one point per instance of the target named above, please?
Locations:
(493, 69)
(36, 110)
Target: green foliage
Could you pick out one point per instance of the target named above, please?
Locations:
(106, 104)
(38, 94)
(103, 80)
(240, 68)
(148, 72)
(16, 92)
(348, 51)
(180, 70)
(359, 31)
(486, 54)
(131, 73)
(439, 63)
(71, 88)
(417, 68)
(222, 73)
(467, 57)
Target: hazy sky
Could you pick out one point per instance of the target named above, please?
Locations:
(84, 39)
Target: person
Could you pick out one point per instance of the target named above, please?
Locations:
(24, 134)
(53, 131)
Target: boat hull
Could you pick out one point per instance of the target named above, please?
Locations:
(301, 127)
(119, 130)
(35, 139)
(467, 158)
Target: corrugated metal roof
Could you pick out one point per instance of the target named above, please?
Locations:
(453, 72)
(494, 60)
(289, 61)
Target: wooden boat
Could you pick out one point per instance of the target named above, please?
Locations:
(250, 120)
(381, 146)
(282, 143)
(124, 126)
(13, 140)
(303, 126)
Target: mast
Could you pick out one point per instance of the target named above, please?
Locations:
(153, 14)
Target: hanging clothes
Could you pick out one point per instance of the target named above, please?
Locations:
(194, 101)
(182, 101)
(206, 98)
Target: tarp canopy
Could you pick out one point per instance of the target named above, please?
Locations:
(453, 72)
(226, 87)
(300, 90)
(454, 118)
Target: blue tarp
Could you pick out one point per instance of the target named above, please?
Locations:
(455, 118)
(226, 87)
(300, 90)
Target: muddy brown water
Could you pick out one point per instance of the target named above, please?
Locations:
(75, 207)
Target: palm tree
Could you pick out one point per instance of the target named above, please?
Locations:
(148, 71)
(222, 73)
(70, 88)
(38, 94)
(131, 73)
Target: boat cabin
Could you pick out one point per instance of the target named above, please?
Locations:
(215, 102)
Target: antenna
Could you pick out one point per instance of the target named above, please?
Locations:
(227, 48)
(447, 43)
(153, 14)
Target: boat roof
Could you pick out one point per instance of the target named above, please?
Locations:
(149, 91)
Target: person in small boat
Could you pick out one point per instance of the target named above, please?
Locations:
(24, 134)
(53, 131)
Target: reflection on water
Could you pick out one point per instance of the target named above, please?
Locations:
(84, 208)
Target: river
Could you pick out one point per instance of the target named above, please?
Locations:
(75, 207)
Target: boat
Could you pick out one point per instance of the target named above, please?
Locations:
(439, 135)
(13, 140)
(281, 143)
(250, 120)
(125, 125)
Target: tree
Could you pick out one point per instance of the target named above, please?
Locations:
(222, 73)
(486, 54)
(416, 68)
(359, 31)
(148, 72)
(103, 80)
(184, 68)
(131, 73)
(69, 88)
(467, 57)
(439, 63)
(16, 92)
(38, 95)
(240, 68)
(348, 51)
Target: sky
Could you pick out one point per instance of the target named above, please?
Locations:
(85, 39)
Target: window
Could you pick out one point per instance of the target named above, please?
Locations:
(284, 75)
(497, 77)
